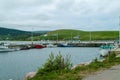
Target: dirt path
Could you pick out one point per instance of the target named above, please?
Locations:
(109, 74)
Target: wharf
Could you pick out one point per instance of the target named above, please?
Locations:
(86, 44)
(71, 43)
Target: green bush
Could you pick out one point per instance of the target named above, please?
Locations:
(57, 64)
(110, 58)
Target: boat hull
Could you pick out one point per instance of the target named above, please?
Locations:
(7, 50)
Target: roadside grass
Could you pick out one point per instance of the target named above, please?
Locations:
(65, 73)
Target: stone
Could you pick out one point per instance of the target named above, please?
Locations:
(30, 75)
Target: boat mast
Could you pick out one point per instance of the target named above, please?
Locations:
(119, 29)
(90, 36)
(32, 36)
(57, 38)
(71, 37)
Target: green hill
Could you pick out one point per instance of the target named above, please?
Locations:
(63, 34)
(13, 34)
(68, 34)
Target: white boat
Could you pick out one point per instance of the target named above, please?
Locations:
(51, 46)
(105, 50)
(4, 48)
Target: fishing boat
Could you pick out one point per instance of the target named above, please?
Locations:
(39, 46)
(25, 47)
(6, 49)
(64, 45)
(51, 46)
(106, 49)
(104, 52)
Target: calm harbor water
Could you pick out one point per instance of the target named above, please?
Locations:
(15, 65)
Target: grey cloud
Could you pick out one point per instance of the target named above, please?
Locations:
(57, 14)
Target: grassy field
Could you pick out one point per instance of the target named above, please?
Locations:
(67, 34)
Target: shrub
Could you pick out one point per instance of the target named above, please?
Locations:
(111, 57)
(56, 63)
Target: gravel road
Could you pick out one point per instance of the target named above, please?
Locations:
(109, 74)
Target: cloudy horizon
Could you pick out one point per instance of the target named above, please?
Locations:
(38, 15)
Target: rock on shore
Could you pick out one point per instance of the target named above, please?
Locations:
(30, 75)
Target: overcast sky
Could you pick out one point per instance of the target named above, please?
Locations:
(60, 14)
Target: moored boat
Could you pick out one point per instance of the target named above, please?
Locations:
(25, 47)
(6, 49)
(51, 45)
(104, 52)
(64, 45)
(39, 46)
(106, 49)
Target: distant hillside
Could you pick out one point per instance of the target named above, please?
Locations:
(41, 32)
(13, 32)
(68, 34)
(63, 34)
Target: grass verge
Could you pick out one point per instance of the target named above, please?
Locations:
(62, 70)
